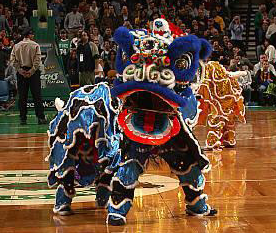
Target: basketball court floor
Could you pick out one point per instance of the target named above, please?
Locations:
(241, 185)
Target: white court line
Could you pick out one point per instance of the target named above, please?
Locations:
(269, 137)
(25, 147)
(221, 181)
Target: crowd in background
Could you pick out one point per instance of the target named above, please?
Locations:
(209, 19)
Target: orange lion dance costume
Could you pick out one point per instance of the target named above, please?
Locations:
(221, 104)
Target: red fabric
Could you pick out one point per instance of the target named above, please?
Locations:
(149, 119)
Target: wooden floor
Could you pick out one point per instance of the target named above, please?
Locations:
(241, 185)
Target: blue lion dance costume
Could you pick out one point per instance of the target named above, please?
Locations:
(154, 115)
(84, 145)
(158, 110)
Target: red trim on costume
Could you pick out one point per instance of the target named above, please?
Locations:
(147, 138)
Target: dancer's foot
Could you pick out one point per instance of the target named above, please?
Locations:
(229, 146)
(115, 221)
(212, 212)
(64, 211)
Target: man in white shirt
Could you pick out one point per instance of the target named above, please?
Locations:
(26, 58)
(270, 52)
(263, 58)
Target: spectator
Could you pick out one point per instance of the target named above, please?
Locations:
(10, 77)
(271, 32)
(229, 51)
(88, 58)
(202, 20)
(64, 47)
(4, 39)
(58, 11)
(213, 25)
(82, 6)
(110, 19)
(225, 41)
(269, 4)
(109, 63)
(73, 68)
(190, 10)
(103, 9)
(259, 17)
(74, 42)
(96, 42)
(268, 49)
(107, 34)
(73, 22)
(219, 20)
(234, 64)
(270, 52)
(264, 29)
(272, 11)
(151, 6)
(223, 12)
(106, 50)
(94, 8)
(244, 61)
(88, 15)
(21, 21)
(263, 78)
(236, 29)
(125, 16)
(116, 5)
(137, 11)
(9, 18)
(96, 35)
(202, 7)
(258, 66)
(217, 51)
(4, 25)
(16, 36)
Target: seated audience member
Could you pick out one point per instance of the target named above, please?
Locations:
(262, 79)
(10, 77)
(270, 52)
(244, 61)
(258, 66)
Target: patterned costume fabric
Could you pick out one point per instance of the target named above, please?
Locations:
(158, 108)
(221, 104)
(84, 145)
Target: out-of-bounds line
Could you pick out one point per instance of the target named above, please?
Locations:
(241, 139)
(220, 181)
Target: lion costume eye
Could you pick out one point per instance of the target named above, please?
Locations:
(185, 61)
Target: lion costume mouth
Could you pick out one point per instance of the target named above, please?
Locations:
(148, 117)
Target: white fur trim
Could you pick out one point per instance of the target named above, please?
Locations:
(110, 202)
(116, 215)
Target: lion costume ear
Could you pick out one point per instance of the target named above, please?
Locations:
(124, 39)
(206, 49)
